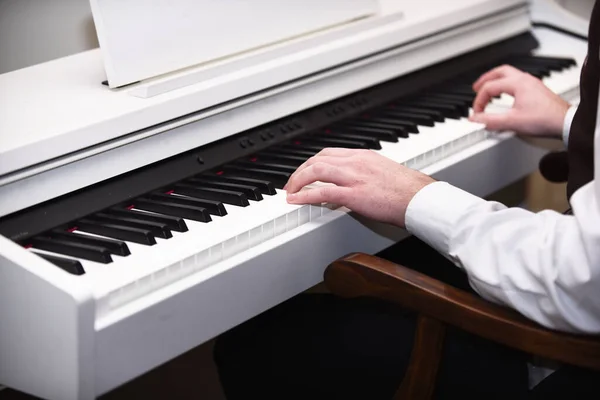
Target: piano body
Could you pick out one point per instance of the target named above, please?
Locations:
(137, 222)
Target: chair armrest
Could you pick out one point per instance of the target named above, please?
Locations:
(358, 275)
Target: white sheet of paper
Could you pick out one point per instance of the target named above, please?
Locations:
(141, 39)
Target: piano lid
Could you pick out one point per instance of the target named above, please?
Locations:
(60, 107)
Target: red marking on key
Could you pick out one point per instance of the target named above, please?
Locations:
(297, 142)
(254, 159)
(71, 230)
(131, 207)
(170, 192)
(327, 130)
(220, 173)
(27, 246)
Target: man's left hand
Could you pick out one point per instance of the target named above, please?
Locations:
(364, 181)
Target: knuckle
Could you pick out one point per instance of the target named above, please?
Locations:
(320, 167)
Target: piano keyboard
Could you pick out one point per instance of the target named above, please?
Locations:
(192, 223)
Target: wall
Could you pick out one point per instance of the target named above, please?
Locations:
(34, 31)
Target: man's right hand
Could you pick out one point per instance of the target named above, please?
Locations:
(537, 111)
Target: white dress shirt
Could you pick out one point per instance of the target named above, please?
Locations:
(545, 265)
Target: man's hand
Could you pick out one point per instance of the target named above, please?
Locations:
(365, 182)
(537, 111)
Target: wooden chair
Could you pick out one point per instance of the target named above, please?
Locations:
(438, 305)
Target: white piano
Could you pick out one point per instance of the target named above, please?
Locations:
(142, 217)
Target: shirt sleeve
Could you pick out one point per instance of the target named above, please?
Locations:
(567, 124)
(545, 265)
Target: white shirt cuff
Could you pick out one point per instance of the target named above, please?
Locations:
(567, 124)
(435, 210)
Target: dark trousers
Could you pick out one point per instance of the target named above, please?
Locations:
(317, 346)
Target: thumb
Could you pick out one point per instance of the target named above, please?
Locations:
(495, 122)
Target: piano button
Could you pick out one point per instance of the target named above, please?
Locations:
(117, 231)
(436, 116)
(225, 196)
(116, 247)
(370, 142)
(173, 223)
(397, 126)
(447, 110)
(252, 192)
(78, 250)
(72, 266)
(183, 211)
(156, 228)
(267, 165)
(265, 187)
(212, 206)
(281, 158)
(334, 142)
(400, 116)
(278, 178)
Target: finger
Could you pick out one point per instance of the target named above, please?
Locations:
(503, 71)
(339, 161)
(497, 122)
(322, 172)
(325, 194)
(492, 89)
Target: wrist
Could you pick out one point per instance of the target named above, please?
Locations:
(419, 184)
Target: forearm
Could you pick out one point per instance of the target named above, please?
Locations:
(539, 264)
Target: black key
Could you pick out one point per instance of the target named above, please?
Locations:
(278, 178)
(466, 90)
(252, 192)
(537, 71)
(78, 250)
(461, 106)
(563, 62)
(267, 165)
(302, 145)
(370, 142)
(447, 110)
(163, 207)
(173, 223)
(158, 229)
(433, 114)
(213, 207)
(265, 187)
(387, 135)
(115, 231)
(72, 266)
(335, 142)
(282, 157)
(297, 150)
(225, 196)
(463, 98)
(114, 246)
(398, 125)
(389, 116)
(390, 121)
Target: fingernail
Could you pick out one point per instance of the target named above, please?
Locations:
(291, 196)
